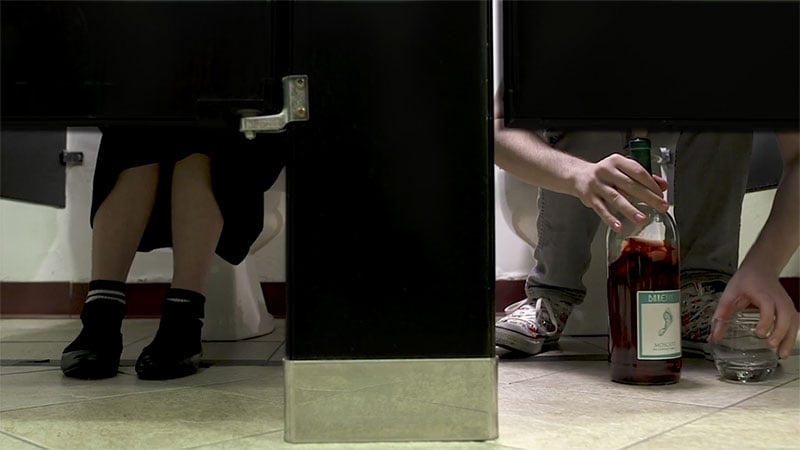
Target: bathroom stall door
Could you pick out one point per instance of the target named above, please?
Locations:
(140, 63)
(389, 184)
(391, 256)
(655, 64)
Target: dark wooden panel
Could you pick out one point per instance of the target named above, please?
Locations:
(619, 64)
(161, 62)
(390, 192)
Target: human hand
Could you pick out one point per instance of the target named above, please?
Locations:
(613, 183)
(779, 318)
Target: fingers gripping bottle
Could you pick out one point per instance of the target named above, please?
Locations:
(644, 294)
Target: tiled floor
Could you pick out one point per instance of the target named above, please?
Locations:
(560, 399)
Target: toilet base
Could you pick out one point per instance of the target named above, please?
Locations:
(235, 306)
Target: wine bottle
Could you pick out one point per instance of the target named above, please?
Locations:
(644, 294)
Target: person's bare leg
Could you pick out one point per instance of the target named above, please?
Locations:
(119, 224)
(196, 228)
(196, 223)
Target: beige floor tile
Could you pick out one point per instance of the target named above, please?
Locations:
(280, 353)
(251, 378)
(789, 368)
(218, 373)
(132, 350)
(135, 330)
(559, 399)
(26, 390)
(12, 443)
(186, 417)
(27, 330)
(45, 339)
(275, 441)
(278, 334)
(256, 351)
(700, 385)
(548, 418)
(31, 351)
(240, 351)
(514, 371)
(783, 398)
(267, 390)
(8, 370)
(601, 342)
(768, 421)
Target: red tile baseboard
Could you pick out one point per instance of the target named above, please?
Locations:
(37, 299)
(507, 292)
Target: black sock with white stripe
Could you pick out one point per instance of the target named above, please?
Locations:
(182, 315)
(175, 350)
(105, 307)
(106, 290)
(95, 352)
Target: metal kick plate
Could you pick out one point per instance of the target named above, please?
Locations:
(391, 400)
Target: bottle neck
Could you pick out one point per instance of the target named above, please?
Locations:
(642, 156)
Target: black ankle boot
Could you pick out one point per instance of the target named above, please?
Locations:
(95, 353)
(176, 349)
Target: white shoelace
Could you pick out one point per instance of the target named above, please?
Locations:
(524, 310)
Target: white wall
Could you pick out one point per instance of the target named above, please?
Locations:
(40, 243)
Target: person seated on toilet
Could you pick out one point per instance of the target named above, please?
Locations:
(585, 180)
(196, 190)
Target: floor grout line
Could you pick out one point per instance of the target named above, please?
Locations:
(280, 430)
(661, 433)
(170, 388)
(23, 439)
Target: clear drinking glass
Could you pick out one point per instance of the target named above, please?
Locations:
(741, 355)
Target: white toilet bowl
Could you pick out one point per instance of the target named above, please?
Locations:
(517, 234)
(517, 202)
(235, 305)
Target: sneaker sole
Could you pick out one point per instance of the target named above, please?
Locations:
(517, 341)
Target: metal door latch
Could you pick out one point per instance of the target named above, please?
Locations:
(69, 158)
(295, 109)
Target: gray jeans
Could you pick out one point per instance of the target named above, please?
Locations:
(710, 177)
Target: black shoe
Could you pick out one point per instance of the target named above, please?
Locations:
(154, 364)
(176, 349)
(89, 364)
(95, 353)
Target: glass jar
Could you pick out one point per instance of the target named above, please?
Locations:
(741, 355)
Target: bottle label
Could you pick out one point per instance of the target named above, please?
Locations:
(659, 324)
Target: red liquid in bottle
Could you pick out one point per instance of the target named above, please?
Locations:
(642, 266)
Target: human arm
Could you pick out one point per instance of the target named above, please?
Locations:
(756, 282)
(607, 186)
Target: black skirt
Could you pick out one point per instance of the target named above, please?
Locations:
(241, 171)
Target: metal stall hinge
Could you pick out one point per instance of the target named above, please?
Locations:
(295, 109)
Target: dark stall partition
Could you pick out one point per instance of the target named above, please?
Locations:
(702, 64)
(155, 62)
(391, 256)
(390, 271)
